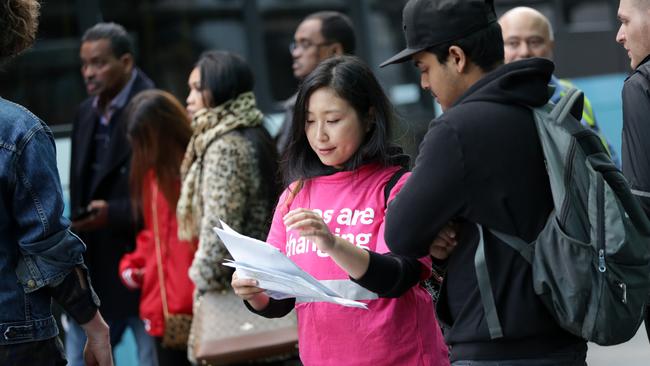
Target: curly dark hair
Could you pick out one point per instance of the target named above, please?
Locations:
(18, 24)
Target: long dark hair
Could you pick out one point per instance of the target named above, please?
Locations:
(159, 131)
(353, 81)
(224, 75)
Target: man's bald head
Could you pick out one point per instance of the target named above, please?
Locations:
(526, 33)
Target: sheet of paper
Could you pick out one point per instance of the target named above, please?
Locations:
(261, 255)
(274, 271)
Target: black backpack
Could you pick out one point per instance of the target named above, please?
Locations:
(591, 262)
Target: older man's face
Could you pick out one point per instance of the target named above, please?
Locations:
(525, 36)
(634, 33)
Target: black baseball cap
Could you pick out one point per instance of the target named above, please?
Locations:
(428, 23)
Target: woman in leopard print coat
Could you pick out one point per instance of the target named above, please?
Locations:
(230, 166)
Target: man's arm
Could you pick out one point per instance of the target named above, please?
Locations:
(49, 251)
(431, 197)
(636, 139)
(76, 296)
(51, 256)
(403, 273)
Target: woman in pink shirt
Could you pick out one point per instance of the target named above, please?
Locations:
(330, 222)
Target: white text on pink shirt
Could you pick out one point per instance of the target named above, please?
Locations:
(344, 218)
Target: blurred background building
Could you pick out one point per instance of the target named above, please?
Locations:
(170, 34)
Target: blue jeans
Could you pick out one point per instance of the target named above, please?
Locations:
(560, 359)
(75, 340)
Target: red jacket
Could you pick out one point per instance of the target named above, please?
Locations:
(176, 255)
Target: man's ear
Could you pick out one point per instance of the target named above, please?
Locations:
(127, 61)
(552, 47)
(458, 59)
(336, 49)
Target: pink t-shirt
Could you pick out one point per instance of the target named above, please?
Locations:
(401, 331)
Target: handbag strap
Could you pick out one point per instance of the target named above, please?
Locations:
(156, 234)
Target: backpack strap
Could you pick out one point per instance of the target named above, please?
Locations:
(572, 102)
(518, 244)
(625, 194)
(483, 276)
(391, 183)
(485, 288)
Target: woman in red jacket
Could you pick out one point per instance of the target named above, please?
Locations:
(159, 130)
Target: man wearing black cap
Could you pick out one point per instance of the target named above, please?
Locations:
(480, 162)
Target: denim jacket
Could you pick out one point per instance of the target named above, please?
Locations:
(37, 249)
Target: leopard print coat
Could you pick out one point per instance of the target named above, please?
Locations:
(221, 181)
(231, 193)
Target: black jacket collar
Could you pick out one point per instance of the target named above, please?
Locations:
(646, 59)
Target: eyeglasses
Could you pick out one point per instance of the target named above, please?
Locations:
(533, 43)
(305, 44)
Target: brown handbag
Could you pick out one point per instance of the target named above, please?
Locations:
(224, 331)
(177, 326)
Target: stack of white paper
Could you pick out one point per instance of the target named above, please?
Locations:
(275, 272)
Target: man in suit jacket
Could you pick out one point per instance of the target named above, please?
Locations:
(99, 181)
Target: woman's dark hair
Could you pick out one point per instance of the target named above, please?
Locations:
(18, 25)
(159, 131)
(484, 48)
(353, 81)
(224, 75)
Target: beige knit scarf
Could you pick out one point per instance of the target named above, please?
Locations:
(208, 125)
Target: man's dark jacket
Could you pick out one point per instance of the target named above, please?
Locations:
(636, 139)
(636, 132)
(105, 247)
(482, 162)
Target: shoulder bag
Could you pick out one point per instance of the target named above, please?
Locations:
(176, 326)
